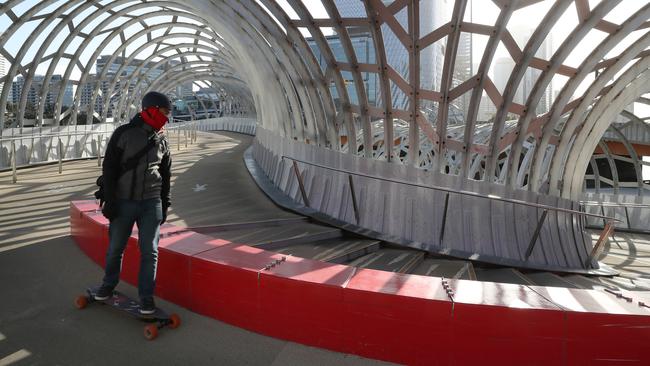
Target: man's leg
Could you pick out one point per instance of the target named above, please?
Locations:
(119, 232)
(149, 232)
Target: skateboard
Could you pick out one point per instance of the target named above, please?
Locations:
(158, 320)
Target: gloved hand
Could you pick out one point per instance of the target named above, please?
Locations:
(109, 210)
(165, 208)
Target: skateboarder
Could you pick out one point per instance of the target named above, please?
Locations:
(136, 183)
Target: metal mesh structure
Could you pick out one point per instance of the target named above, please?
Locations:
(467, 93)
(103, 57)
(414, 74)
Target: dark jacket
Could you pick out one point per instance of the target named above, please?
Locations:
(151, 176)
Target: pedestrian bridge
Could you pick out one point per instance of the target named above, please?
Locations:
(496, 134)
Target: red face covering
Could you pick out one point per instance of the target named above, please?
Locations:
(154, 118)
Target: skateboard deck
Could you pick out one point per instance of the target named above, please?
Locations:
(158, 319)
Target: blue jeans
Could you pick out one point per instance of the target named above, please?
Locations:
(148, 215)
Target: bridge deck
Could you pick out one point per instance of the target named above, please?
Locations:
(211, 189)
(42, 270)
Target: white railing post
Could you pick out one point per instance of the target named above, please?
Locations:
(60, 156)
(31, 151)
(14, 175)
(99, 150)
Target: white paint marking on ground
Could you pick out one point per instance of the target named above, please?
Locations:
(326, 253)
(461, 271)
(368, 261)
(431, 269)
(199, 188)
(399, 258)
(15, 357)
(57, 189)
(2, 337)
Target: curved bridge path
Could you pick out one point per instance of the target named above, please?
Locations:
(42, 270)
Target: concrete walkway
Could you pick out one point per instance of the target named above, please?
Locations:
(42, 270)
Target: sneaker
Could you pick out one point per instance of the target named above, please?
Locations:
(104, 293)
(147, 306)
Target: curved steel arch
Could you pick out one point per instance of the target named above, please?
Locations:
(114, 33)
(193, 74)
(267, 66)
(312, 74)
(486, 60)
(135, 73)
(634, 157)
(137, 88)
(612, 165)
(313, 100)
(309, 116)
(298, 87)
(56, 58)
(258, 49)
(179, 77)
(631, 24)
(203, 76)
(38, 57)
(15, 64)
(74, 32)
(149, 43)
(577, 116)
(545, 78)
(331, 67)
(633, 83)
(119, 31)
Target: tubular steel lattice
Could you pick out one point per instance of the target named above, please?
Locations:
(264, 53)
(463, 89)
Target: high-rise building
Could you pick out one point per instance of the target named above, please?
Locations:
(114, 66)
(148, 69)
(463, 70)
(112, 69)
(431, 58)
(504, 65)
(365, 53)
(184, 90)
(486, 110)
(68, 95)
(33, 97)
(87, 90)
(33, 93)
(16, 89)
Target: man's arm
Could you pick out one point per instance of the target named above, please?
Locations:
(166, 173)
(111, 167)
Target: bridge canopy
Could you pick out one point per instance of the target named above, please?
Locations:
(514, 92)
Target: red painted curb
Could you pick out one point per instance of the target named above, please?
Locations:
(400, 318)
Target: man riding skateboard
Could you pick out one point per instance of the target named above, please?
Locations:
(136, 183)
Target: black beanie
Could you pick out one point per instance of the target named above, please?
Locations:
(157, 100)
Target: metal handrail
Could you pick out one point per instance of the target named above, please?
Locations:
(23, 137)
(614, 204)
(170, 126)
(188, 128)
(461, 192)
